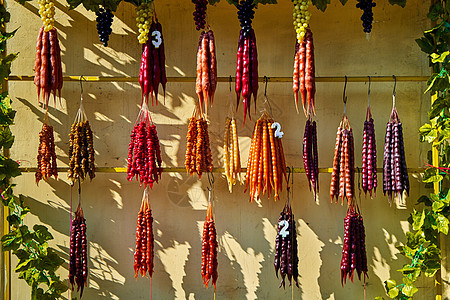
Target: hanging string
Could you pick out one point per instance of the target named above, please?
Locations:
(79, 192)
(266, 99)
(393, 93)
(231, 106)
(344, 95)
(368, 94)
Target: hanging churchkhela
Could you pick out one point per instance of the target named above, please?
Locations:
(206, 82)
(311, 157)
(247, 57)
(78, 259)
(144, 253)
(369, 155)
(395, 172)
(198, 158)
(354, 247)
(266, 165)
(342, 178)
(286, 250)
(304, 78)
(144, 152)
(81, 148)
(209, 248)
(153, 62)
(47, 66)
(232, 158)
(46, 159)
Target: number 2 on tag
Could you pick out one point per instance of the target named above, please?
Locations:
(284, 230)
(278, 133)
(157, 41)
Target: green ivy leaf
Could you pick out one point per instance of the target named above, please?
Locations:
(401, 3)
(438, 205)
(442, 224)
(393, 292)
(425, 200)
(42, 234)
(418, 219)
(425, 45)
(409, 290)
(439, 58)
(11, 241)
(321, 4)
(390, 284)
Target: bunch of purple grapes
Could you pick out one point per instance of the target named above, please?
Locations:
(286, 257)
(245, 14)
(367, 17)
(369, 157)
(395, 172)
(354, 248)
(104, 22)
(310, 156)
(200, 13)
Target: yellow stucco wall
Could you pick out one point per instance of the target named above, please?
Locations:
(246, 231)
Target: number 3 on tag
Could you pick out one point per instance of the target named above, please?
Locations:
(278, 133)
(157, 41)
(284, 230)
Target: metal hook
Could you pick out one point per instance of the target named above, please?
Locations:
(231, 80)
(290, 170)
(81, 83)
(344, 94)
(266, 80)
(211, 181)
(368, 92)
(395, 84)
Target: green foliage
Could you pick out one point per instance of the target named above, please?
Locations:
(422, 244)
(37, 262)
(94, 5)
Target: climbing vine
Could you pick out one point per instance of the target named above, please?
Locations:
(37, 262)
(422, 246)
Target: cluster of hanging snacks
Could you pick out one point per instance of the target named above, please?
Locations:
(206, 82)
(395, 172)
(354, 248)
(342, 178)
(198, 158)
(311, 157)
(78, 259)
(144, 253)
(144, 152)
(304, 78)
(232, 158)
(48, 76)
(369, 157)
(266, 164)
(209, 249)
(247, 57)
(286, 251)
(81, 148)
(153, 63)
(46, 159)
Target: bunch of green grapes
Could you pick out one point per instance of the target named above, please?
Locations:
(301, 17)
(144, 20)
(47, 13)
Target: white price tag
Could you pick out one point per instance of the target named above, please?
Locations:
(284, 230)
(278, 133)
(157, 41)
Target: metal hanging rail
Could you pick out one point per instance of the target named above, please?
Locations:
(227, 79)
(215, 170)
